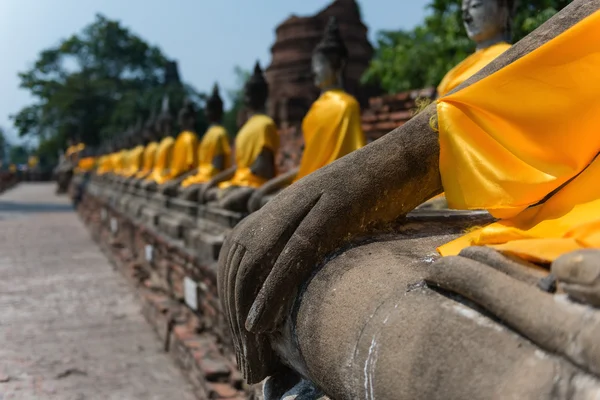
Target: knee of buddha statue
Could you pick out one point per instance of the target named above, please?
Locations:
(190, 193)
(149, 186)
(266, 192)
(168, 188)
(235, 198)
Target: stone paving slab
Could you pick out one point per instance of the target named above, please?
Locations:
(70, 326)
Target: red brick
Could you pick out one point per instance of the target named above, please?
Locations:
(214, 369)
(221, 391)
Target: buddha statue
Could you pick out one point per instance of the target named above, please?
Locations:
(185, 152)
(135, 155)
(214, 151)
(124, 159)
(65, 169)
(333, 281)
(151, 138)
(164, 151)
(255, 147)
(332, 127)
(488, 24)
(105, 166)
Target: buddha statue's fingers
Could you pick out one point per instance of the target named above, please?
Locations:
(245, 261)
(578, 274)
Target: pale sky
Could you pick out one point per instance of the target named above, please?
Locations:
(207, 38)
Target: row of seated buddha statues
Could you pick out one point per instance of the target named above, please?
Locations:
(336, 287)
(206, 172)
(334, 290)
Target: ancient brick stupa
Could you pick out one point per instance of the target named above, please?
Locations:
(289, 75)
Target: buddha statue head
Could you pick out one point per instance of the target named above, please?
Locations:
(214, 106)
(187, 116)
(150, 132)
(138, 133)
(164, 123)
(488, 22)
(256, 90)
(329, 58)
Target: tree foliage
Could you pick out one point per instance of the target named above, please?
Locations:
(3, 144)
(18, 154)
(94, 85)
(417, 58)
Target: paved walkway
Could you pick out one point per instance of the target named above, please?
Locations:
(70, 327)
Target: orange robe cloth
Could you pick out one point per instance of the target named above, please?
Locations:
(467, 68)
(257, 133)
(164, 153)
(184, 157)
(135, 159)
(332, 128)
(148, 157)
(516, 136)
(214, 143)
(470, 66)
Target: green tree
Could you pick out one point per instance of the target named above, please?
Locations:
(3, 144)
(19, 154)
(421, 57)
(94, 84)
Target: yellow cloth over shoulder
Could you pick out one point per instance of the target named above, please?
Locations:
(215, 143)
(119, 162)
(104, 164)
(470, 66)
(528, 131)
(184, 157)
(135, 158)
(257, 133)
(164, 153)
(148, 160)
(332, 128)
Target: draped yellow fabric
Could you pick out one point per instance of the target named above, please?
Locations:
(259, 132)
(516, 143)
(114, 162)
(215, 143)
(470, 66)
(119, 162)
(332, 128)
(148, 160)
(135, 159)
(104, 165)
(184, 157)
(164, 153)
